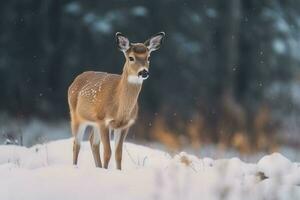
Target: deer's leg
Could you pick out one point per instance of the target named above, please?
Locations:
(78, 132)
(119, 137)
(95, 145)
(104, 133)
(76, 147)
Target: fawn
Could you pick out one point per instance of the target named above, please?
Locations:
(108, 102)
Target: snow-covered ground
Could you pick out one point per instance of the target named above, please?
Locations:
(45, 172)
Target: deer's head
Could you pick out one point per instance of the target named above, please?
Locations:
(138, 56)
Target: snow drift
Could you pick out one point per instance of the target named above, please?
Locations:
(45, 172)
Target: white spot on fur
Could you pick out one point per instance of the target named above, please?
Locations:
(107, 121)
(135, 79)
(131, 122)
(89, 123)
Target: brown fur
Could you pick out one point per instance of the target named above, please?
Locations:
(139, 48)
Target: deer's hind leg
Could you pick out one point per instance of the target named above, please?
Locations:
(78, 132)
(95, 145)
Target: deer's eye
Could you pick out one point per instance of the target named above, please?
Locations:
(148, 58)
(131, 58)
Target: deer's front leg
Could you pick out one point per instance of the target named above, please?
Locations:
(104, 132)
(95, 146)
(119, 137)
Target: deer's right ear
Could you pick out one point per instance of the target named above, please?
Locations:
(122, 41)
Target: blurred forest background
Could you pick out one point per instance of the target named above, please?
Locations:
(228, 72)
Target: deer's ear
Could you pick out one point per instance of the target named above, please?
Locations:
(155, 41)
(122, 42)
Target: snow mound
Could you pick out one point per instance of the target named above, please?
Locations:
(45, 172)
(274, 165)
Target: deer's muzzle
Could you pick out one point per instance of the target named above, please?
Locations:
(144, 74)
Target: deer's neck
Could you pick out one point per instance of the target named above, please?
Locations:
(128, 94)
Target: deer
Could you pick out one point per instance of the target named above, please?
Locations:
(108, 103)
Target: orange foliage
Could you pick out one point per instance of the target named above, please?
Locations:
(161, 133)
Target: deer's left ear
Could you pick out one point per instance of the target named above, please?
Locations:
(155, 41)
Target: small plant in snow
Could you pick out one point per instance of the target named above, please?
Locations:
(185, 159)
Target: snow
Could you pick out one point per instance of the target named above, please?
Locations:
(274, 165)
(32, 130)
(45, 172)
(103, 26)
(139, 11)
(73, 7)
(279, 46)
(212, 13)
(89, 18)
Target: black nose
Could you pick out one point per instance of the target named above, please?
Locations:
(144, 73)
